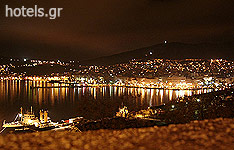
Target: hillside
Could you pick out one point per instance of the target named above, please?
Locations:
(170, 51)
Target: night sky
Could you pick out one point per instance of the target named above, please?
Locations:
(89, 29)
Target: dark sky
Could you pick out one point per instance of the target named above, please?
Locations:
(93, 28)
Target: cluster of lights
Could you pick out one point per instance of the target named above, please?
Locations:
(156, 73)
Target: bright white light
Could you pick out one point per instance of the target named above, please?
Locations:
(165, 42)
(198, 100)
(25, 59)
(150, 53)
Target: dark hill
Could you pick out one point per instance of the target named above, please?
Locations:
(170, 51)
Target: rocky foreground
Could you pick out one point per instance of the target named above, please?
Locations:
(206, 134)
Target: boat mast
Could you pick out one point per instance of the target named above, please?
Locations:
(41, 116)
(21, 111)
(31, 110)
(45, 116)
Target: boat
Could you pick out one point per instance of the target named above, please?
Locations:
(28, 120)
(123, 112)
(12, 125)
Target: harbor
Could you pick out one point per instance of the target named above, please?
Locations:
(28, 122)
(188, 109)
(90, 102)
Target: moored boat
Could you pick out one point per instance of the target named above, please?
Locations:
(29, 120)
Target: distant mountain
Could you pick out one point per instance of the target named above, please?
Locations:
(170, 51)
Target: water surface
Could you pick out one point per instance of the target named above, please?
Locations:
(89, 102)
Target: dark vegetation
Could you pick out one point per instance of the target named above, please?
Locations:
(212, 105)
(116, 123)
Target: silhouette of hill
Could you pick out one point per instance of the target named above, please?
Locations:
(173, 50)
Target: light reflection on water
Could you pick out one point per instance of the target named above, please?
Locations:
(90, 102)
